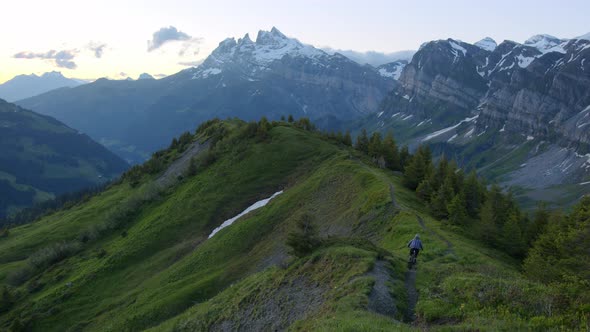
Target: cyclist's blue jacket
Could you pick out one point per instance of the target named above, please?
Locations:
(415, 244)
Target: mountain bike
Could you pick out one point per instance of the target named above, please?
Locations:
(412, 258)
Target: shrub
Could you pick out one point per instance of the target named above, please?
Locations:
(19, 276)
(53, 254)
(6, 299)
(305, 240)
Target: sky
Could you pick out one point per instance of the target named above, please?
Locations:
(91, 39)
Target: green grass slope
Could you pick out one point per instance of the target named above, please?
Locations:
(137, 256)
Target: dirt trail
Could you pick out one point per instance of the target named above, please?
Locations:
(410, 284)
(410, 281)
(450, 250)
(380, 299)
(392, 193)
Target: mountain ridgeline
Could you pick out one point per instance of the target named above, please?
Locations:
(327, 252)
(42, 158)
(273, 76)
(25, 86)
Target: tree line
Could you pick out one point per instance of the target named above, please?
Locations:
(552, 245)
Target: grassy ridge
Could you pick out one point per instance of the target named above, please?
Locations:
(158, 270)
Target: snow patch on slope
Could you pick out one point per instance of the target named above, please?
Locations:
(251, 208)
(445, 130)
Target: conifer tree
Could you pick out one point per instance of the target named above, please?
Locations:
(441, 199)
(305, 239)
(439, 175)
(290, 119)
(487, 229)
(375, 149)
(416, 171)
(473, 195)
(457, 211)
(512, 240)
(362, 142)
(425, 191)
(404, 157)
(537, 225)
(391, 153)
(347, 138)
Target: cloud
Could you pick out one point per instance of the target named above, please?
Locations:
(165, 35)
(62, 59)
(160, 75)
(371, 57)
(97, 48)
(190, 63)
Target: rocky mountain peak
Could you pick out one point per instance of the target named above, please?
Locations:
(487, 44)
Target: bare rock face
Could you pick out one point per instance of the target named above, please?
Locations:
(546, 99)
(467, 100)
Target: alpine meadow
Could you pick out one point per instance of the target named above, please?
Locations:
(438, 182)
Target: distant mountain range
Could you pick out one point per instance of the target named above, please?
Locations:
(41, 157)
(25, 86)
(273, 76)
(519, 113)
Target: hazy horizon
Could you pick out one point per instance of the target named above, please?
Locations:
(89, 41)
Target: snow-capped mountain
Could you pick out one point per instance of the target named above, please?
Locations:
(145, 76)
(487, 44)
(481, 100)
(25, 86)
(273, 76)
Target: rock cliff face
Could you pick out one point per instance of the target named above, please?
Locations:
(530, 99)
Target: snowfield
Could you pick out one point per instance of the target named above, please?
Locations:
(251, 208)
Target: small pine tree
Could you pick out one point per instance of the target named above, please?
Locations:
(537, 225)
(375, 147)
(391, 153)
(290, 119)
(487, 228)
(512, 240)
(473, 195)
(282, 118)
(441, 200)
(305, 240)
(457, 211)
(418, 169)
(404, 157)
(440, 173)
(362, 142)
(424, 191)
(347, 138)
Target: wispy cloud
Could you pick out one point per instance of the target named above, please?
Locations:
(190, 63)
(62, 59)
(165, 35)
(97, 47)
(371, 57)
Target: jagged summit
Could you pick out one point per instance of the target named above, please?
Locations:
(487, 44)
(256, 55)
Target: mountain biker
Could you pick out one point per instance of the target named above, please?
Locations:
(415, 245)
